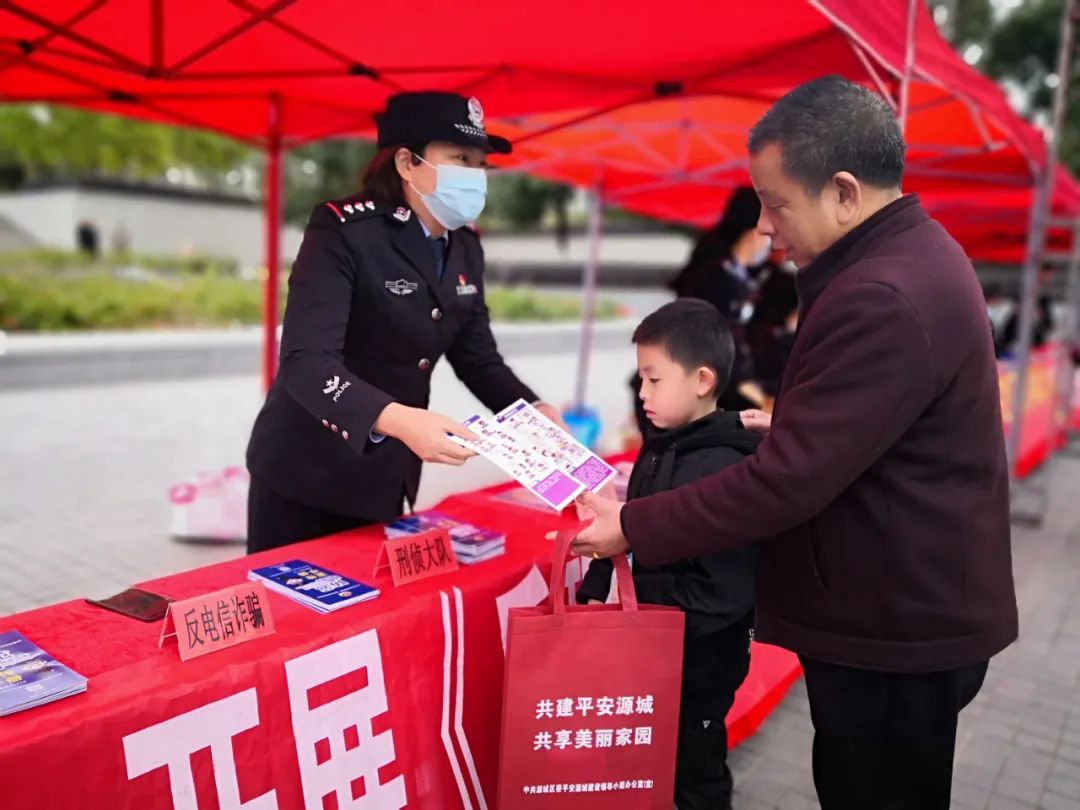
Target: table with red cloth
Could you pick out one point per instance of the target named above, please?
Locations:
(393, 703)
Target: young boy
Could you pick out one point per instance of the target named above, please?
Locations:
(685, 352)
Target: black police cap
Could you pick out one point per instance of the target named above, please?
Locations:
(419, 118)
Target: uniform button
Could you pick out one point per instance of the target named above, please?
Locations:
(325, 423)
(436, 314)
(345, 435)
(424, 364)
(334, 428)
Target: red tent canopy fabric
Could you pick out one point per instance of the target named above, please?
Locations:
(297, 70)
(993, 224)
(678, 158)
(653, 107)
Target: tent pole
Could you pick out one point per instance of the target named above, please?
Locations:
(272, 219)
(1070, 341)
(588, 302)
(1040, 210)
(909, 63)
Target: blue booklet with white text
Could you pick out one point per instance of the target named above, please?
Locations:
(30, 677)
(313, 586)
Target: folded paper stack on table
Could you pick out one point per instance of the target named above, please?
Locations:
(472, 544)
(313, 587)
(30, 677)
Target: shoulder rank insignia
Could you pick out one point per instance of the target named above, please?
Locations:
(353, 209)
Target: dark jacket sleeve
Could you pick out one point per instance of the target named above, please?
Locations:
(313, 334)
(718, 585)
(597, 582)
(476, 359)
(865, 374)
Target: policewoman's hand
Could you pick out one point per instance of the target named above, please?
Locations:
(424, 433)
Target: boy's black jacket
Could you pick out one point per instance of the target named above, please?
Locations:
(714, 591)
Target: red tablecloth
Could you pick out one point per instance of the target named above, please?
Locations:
(396, 700)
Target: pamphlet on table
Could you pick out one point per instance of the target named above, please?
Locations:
(472, 544)
(313, 586)
(30, 677)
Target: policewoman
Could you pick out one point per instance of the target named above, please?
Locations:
(386, 283)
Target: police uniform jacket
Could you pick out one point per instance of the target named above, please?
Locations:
(366, 321)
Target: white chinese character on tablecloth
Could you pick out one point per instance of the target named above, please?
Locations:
(645, 705)
(623, 736)
(542, 740)
(562, 739)
(625, 706)
(604, 737)
(171, 743)
(643, 735)
(584, 705)
(605, 706)
(583, 738)
(331, 724)
(545, 708)
(565, 707)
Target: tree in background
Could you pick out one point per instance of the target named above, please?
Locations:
(40, 142)
(327, 170)
(1023, 49)
(1019, 50)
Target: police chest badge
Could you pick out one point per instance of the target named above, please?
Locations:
(402, 287)
(464, 288)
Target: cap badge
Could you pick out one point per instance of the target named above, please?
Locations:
(476, 113)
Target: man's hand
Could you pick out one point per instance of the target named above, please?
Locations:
(757, 421)
(603, 537)
(424, 432)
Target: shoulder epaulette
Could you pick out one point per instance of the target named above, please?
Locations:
(354, 208)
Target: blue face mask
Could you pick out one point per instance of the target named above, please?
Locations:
(459, 195)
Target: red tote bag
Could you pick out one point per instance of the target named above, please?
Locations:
(590, 701)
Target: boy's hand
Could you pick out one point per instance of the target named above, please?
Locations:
(757, 421)
(594, 602)
(603, 537)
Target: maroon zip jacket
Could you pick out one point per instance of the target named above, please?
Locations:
(881, 494)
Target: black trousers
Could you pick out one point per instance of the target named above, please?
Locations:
(714, 667)
(274, 520)
(886, 740)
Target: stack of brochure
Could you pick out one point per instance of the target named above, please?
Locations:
(30, 677)
(471, 543)
(312, 586)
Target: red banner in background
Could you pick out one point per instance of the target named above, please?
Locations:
(1037, 438)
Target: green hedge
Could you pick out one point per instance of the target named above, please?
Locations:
(52, 302)
(50, 259)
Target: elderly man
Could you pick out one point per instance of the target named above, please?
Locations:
(879, 496)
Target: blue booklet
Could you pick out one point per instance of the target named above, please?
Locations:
(30, 677)
(313, 586)
(471, 543)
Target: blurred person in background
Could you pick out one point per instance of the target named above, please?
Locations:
(725, 268)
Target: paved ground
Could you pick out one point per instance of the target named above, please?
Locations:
(83, 477)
